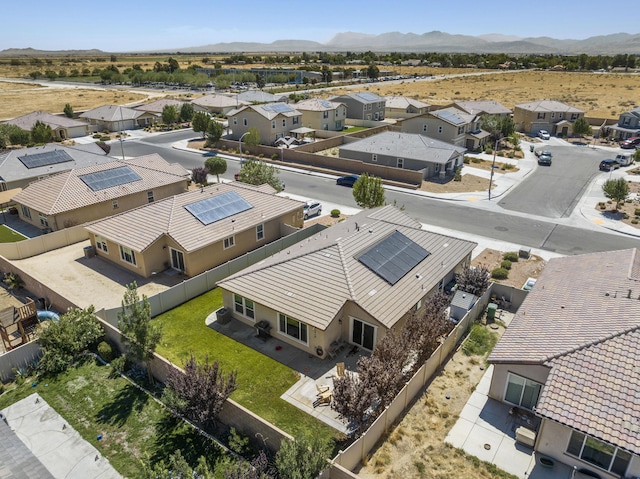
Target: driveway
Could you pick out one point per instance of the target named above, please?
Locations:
(554, 191)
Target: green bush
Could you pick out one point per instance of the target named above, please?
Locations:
(637, 212)
(499, 273)
(105, 351)
(506, 264)
(97, 136)
(335, 213)
(476, 160)
(634, 221)
(466, 160)
(507, 166)
(274, 157)
(511, 256)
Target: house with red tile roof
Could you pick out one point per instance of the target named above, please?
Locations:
(570, 356)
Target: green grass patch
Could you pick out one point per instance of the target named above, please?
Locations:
(480, 341)
(134, 427)
(353, 129)
(261, 380)
(7, 235)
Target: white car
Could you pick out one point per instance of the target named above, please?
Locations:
(312, 208)
(544, 134)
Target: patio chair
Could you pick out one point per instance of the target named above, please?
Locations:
(322, 388)
(323, 398)
(340, 369)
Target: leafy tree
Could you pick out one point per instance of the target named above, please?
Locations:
(353, 397)
(252, 138)
(7, 130)
(581, 127)
(50, 74)
(169, 114)
(259, 173)
(373, 71)
(303, 458)
(216, 166)
(200, 122)
(68, 110)
(41, 132)
(19, 137)
(200, 391)
(498, 126)
(173, 65)
(260, 81)
(368, 191)
(177, 467)
(474, 280)
(636, 156)
(214, 132)
(186, 112)
(199, 175)
(62, 341)
(139, 334)
(259, 468)
(35, 74)
(616, 190)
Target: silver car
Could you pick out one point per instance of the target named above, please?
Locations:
(312, 208)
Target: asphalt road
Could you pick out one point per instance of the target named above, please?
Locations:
(517, 228)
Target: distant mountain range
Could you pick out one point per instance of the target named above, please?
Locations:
(402, 42)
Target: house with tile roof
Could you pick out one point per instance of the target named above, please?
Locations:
(62, 127)
(628, 125)
(216, 104)
(570, 355)
(363, 105)
(404, 107)
(351, 283)
(483, 107)
(550, 115)
(320, 114)
(450, 125)
(406, 150)
(195, 231)
(156, 107)
(20, 167)
(86, 194)
(259, 96)
(272, 120)
(117, 118)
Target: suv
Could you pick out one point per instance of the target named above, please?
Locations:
(312, 208)
(544, 158)
(608, 165)
(631, 143)
(624, 160)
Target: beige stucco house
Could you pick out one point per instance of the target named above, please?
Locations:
(350, 283)
(156, 107)
(404, 107)
(216, 104)
(570, 355)
(628, 125)
(363, 105)
(483, 107)
(322, 114)
(550, 115)
(196, 231)
(272, 120)
(117, 118)
(62, 127)
(86, 194)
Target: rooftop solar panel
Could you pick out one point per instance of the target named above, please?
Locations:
(450, 117)
(102, 180)
(278, 107)
(368, 96)
(393, 257)
(46, 158)
(219, 207)
(326, 104)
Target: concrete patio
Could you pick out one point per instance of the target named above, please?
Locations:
(311, 369)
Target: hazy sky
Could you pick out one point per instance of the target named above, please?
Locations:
(135, 25)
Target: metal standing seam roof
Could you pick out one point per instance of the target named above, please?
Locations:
(548, 105)
(140, 227)
(330, 259)
(67, 191)
(405, 145)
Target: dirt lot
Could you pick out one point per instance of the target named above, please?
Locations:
(520, 270)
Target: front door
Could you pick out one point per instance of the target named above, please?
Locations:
(363, 334)
(177, 260)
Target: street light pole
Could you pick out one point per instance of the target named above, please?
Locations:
(493, 164)
(240, 141)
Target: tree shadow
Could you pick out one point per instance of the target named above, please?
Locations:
(128, 400)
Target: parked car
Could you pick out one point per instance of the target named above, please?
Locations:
(312, 208)
(544, 134)
(544, 159)
(347, 180)
(630, 143)
(543, 152)
(609, 164)
(624, 160)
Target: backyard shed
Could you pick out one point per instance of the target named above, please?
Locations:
(462, 302)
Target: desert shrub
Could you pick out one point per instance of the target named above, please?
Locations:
(637, 212)
(274, 157)
(97, 136)
(634, 221)
(507, 166)
(335, 213)
(499, 273)
(105, 351)
(511, 154)
(626, 216)
(466, 160)
(476, 160)
(506, 264)
(511, 256)
(458, 174)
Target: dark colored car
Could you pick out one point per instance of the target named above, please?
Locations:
(545, 159)
(348, 180)
(609, 164)
(630, 143)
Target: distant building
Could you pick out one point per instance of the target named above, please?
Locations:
(363, 105)
(404, 107)
(272, 120)
(322, 114)
(117, 118)
(63, 128)
(550, 115)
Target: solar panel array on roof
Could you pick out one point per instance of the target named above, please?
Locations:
(326, 104)
(101, 180)
(393, 257)
(278, 107)
(367, 96)
(46, 158)
(219, 207)
(450, 117)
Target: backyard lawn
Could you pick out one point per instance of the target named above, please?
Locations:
(184, 330)
(7, 235)
(133, 426)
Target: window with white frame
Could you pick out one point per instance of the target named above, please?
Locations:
(229, 242)
(440, 129)
(325, 114)
(3, 186)
(101, 244)
(284, 123)
(374, 158)
(259, 232)
(26, 212)
(598, 453)
(418, 306)
(114, 203)
(273, 124)
(425, 128)
(44, 221)
(295, 119)
(292, 328)
(127, 255)
(522, 392)
(150, 198)
(235, 120)
(560, 115)
(460, 130)
(400, 163)
(244, 306)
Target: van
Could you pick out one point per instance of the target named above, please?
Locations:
(624, 160)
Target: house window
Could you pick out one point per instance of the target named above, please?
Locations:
(598, 453)
(101, 244)
(245, 122)
(325, 126)
(553, 114)
(229, 242)
(3, 186)
(325, 114)
(522, 391)
(273, 124)
(259, 232)
(541, 116)
(244, 306)
(363, 334)
(400, 163)
(235, 120)
(626, 120)
(574, 116)
(439, 129)
(425, 128)
(284, 123)
(376, 115)
(114, 203)
(127, 255)
(177, 260)
(150, 197)
(296, 120)
(26, 212)
(292, 328)
(374, 158)
(44, 221)
(338, 125)
(460, 130)
(560, 115)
